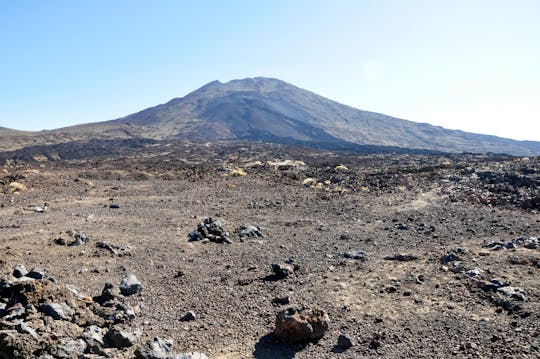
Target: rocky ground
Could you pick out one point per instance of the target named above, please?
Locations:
(206, 247)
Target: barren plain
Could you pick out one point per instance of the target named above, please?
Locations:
(424, 256)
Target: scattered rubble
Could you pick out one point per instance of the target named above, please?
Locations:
(44, 319)
(79, 238)
(114, 249)
(283, 270)
(210, 230)
(248, 232)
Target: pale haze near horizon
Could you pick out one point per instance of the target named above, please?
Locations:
(468, 65)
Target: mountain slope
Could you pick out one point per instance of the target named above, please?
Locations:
(263, 109)
(270, 110)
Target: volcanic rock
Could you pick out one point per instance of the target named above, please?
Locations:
(130, 285)
(301, 324)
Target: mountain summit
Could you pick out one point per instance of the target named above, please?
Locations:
(271, 110)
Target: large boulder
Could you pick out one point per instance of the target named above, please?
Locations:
(301, 324)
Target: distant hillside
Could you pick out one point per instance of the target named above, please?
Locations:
(270, 110)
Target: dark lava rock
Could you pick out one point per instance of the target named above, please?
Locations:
(512, 292)
(189, 316)
(157, 348)
(19, 271)
(109, 292)
(130, 285)
(281, 301)
(79, 238)
(449, 258)
(249, 231)
(69, 348)
(356, 254)
(60, 241)
(282, 270)
(57, 311)
(301, 324)
(114, 249)
(94, 339)
(494, 246)
(344, 342)
(401, 257)
(211, 230)
(35, 274)
(120, 338)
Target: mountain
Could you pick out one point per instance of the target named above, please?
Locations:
(271, 110)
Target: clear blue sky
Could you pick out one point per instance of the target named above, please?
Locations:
(465, 64)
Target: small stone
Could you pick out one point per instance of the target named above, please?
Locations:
(23, 328)
(193, 355)
(498, 282)
(512, 292)
(108, 293)
(115, 249)
(40, 209)
(80, 238)
(494, 246)
(19, 271)
(356, 254)
(249, 231)
(189, 316)
(35, 274)
(93, 334)
(15, 311)
(57, 311)
(70, 348)
(401, 257)
(281, 301)
(119, 338)
(157, 348)
(130, 285)
(450, 257)
(282, 270)
(532, 243)
(194, 236)
(344, 342)
(474, 273)
(93, 337)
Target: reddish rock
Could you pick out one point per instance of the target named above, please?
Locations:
(301, 324)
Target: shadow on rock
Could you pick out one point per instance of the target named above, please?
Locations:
(269, 347)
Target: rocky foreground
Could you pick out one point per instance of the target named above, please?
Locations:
(238, 251)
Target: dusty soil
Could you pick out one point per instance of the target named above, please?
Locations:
(424, 305)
